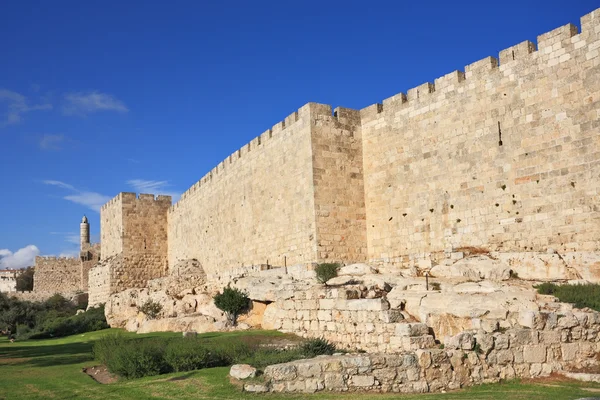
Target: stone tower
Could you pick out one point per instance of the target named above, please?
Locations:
(84, 233)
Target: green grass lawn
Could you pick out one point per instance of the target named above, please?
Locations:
(52, 369)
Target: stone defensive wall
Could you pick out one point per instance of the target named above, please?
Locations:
(292, 195)
(502, 157)
(57, 275)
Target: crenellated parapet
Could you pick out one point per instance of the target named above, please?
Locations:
(310, 111)
(551, 48)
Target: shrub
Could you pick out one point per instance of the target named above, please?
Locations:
(317, 347)
(151, 308)
(141, 358)
(233, 302)
(546, 288)
(581, 296)
(57, 326)
(106, 346)
(25, 280)
(326, 271)
(187, 354)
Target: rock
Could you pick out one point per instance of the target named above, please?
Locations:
(411, 329)
(362, 380)
(357, 269)
(475, 267)
(256, 388)
(534, 354)
(462, 341)
(190, 334)
(344, 280)
(242, 371)
(80, 311)
(198, 323)
(281, 372)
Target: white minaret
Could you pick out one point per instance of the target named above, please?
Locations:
(84, 233)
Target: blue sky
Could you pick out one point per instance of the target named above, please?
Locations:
(102, 97)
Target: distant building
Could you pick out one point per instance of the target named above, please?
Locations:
(8, 280)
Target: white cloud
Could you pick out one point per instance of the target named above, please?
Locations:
(86, 103)
(91, 200)
(154, 187)
(60, 184)
(16, 106)
(21, 258)
(51, 142)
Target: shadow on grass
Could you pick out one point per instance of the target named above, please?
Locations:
(44, 351)
(182, 377)
(58, 360)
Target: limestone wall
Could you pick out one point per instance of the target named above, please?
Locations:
(111, 226)
(499, 157)
(100, 282)
(256, 207)
(57, 275)
(546, 342)
(338, 186)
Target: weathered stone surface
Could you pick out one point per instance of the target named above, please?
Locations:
(255, 388)
(357, 269)
(462, 341)
(242, 371)
(475, 267)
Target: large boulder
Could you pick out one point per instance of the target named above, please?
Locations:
(197, 323)
(357, 269)
(242, 371)
(477, 267)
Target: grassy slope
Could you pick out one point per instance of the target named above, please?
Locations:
(51, 369)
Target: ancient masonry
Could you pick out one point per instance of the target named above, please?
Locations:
(501, 157)
(65, 275)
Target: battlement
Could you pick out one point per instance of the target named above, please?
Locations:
(129, 197)
(39, 259)
(547, 44)
(305, 113)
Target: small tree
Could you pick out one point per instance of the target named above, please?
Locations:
(151, 308)
(326, 271)
(233, 302)
(25, 280)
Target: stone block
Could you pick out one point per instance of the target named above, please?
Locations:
(569, 351)
(367, 305)
(334, 381)
(411, 329)
(462, 341)
(362, 381)
(534, 354)
(281, 372)
(255, 388)
(309, 369)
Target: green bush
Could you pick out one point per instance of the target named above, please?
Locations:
(188, 354)
(151, 308)
(134, 358)
(143, 358)
(104, 348)
(581, 296)
(233, 302)
(54, 317)
(317, 347)
(57, 326)
(25, 280)
(326, 271)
